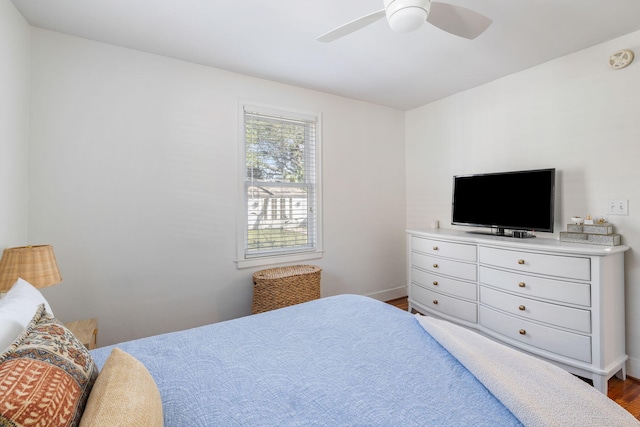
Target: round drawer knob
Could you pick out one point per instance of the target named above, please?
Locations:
(522, 332)
(521, 284)
(521, 308)
(521, 261)
(435, 301)
(435, 265)
(435, 248)
(435, 283)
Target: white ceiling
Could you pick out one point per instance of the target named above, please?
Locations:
(275, 40)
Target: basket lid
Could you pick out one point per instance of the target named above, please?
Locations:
(280, 272)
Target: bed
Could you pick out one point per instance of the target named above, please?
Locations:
(339, 361)
(354, 361)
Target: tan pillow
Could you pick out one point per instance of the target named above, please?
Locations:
(124, 394)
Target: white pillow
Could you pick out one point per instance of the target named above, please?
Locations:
(17, 308)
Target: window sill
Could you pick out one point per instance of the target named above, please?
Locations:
(271, 260)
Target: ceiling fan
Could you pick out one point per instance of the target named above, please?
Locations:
(408, 15)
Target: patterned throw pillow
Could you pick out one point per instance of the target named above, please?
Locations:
(46, 376)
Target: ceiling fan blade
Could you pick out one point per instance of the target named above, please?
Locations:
(350, 27)
(458, 20)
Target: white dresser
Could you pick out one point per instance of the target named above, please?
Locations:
(559, 301)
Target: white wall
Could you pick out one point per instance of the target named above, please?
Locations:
(14, 125)
(574, 114)
(134, 175)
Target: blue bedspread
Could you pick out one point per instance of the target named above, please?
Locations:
(339, 361)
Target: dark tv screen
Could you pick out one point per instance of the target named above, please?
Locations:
(519, 200)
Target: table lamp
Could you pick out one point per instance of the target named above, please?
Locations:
(35, 264)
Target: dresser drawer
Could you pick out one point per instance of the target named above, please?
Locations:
(459, 251)
(444, 284)
(461, 270)
(570, 267)
(555, 315)
(546, 338)
(460, 309)
(537, 287)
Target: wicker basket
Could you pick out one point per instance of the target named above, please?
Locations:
(283, 286)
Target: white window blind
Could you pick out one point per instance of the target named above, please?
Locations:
(280, 182)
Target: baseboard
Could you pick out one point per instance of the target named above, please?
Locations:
(389, 294)
(633, 367)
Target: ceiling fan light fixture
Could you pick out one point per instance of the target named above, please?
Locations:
(409, 15)
(406, 15)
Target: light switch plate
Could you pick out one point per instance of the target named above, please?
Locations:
(618, 207)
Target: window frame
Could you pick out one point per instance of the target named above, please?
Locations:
(275, 256)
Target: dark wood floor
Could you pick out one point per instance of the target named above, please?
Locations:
(626, 393)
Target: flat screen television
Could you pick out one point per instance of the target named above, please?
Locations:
(518, 200)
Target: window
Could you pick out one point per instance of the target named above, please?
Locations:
(280, 185)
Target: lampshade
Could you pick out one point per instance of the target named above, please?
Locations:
(407, 15)
(35, 264)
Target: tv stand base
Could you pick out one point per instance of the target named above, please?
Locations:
(501, 232)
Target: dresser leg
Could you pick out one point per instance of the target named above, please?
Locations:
(600, 383)
(622, 373)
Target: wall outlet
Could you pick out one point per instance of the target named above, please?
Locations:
(618, 207)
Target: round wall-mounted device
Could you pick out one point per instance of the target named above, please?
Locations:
(621, 59)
